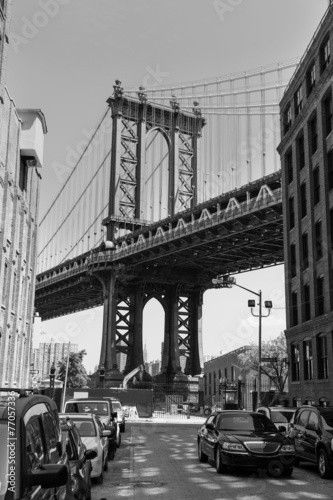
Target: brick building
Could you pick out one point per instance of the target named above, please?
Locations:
(306, 151)
(21, 155)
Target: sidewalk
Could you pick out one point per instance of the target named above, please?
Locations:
(168, 418)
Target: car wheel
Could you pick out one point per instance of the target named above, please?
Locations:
(111, 454)
(207, 411)
(297, 461)
(100, 479)
(106, 464)
(119, 441)
(287, 471)
(88, 496)
(325, 471)
(202, 456)
(220, 466)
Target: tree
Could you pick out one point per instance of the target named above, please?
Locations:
(77, 374)
(277, 371)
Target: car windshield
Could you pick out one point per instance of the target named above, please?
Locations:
(88, 407)
(117, 406)
(85, 427)
(4, 457)
(256, 423)
(279, 416)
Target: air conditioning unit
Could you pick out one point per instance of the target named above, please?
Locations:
(33, 129)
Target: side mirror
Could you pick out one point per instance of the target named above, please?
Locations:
(48, 476)
(105, 433)
(91, 454)
(114, 414)
(210, 427)
(282, 428)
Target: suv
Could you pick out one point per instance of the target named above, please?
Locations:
(116, 407)
(279, 415)
(33, 463)
(103, 410)
(311, 429)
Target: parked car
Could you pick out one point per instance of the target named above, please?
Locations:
(245, 439)
(117, 408)
(79, 459)
(94, 437)
(279, 415)
(101, 408)
(33, 463)
(311, 430)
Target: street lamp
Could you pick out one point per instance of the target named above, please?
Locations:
(228, 282)
(224, 382)
(102, 375)
(52, 377)
(239, 392)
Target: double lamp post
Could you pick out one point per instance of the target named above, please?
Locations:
(225, 281)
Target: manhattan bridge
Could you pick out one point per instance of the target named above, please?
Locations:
(177, 184)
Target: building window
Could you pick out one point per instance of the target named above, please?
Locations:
(287, 119)
(294, 310)
(232, 374)
(327, 112)
(301, 152)
(293, 260)
(307, 305)
(4, 284)
(308, 359)
(295, 362)
(320, 296)
(2, 5)
(209, 383)
(23, 177)
(289, 166)
(305, 250)
(325, 54)
(303, 200)
(311, 79)
(318, 243)
(291, 213)
(298, 100)
(322, 356)
(313, 128)
(316, 186)
(226, 373)
(330, 169)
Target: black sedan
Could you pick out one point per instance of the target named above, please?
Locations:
(79, 459)
(235, 438)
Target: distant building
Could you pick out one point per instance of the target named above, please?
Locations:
(306, 151)
(47, 354)
(153, 367)
(21, 156)
(121, 358)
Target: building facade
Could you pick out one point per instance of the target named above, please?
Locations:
(48, 353)
(21, 155)
(306, 151)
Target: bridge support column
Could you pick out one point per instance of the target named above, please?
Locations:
(135, 347)
(108, 349)
(194, 362)
(170, 358)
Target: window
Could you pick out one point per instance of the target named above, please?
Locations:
(322, 356)
(2, 5)
(291, 213)
(298, 100)
(318, 243)
(34, 444)
(308, 360)
(320, 296)
(316, 186)
(289, 166)
(226, 373)
(50, 437)
(23, 173)
(295, 362)
(287, 119)
(307, 305)
(330, 169)
(209, 383)
(311, 79)
(294, 310)
(305, 250)
(301, 152)
(313, 422)
(4, 285)
(327, 112)
(325, 54)
(303, 418)
(303, 200)
(313, 129)
(232, 376)
(293, 260)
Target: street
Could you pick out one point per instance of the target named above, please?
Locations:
(161, 459)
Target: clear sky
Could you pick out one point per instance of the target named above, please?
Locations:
(64, 58)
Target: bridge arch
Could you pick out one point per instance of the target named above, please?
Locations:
(154, 314)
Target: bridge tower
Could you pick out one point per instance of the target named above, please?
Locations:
(134, 121)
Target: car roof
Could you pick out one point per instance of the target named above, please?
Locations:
(25, 400)
(91, 400)
(75, 415)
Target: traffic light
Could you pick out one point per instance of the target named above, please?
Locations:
(102, 373)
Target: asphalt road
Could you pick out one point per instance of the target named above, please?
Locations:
(157, 459)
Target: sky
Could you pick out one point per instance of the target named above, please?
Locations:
(64, 58)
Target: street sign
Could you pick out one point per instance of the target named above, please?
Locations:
(269, 360)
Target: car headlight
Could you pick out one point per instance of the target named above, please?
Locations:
(233, 446)
(288, 448)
